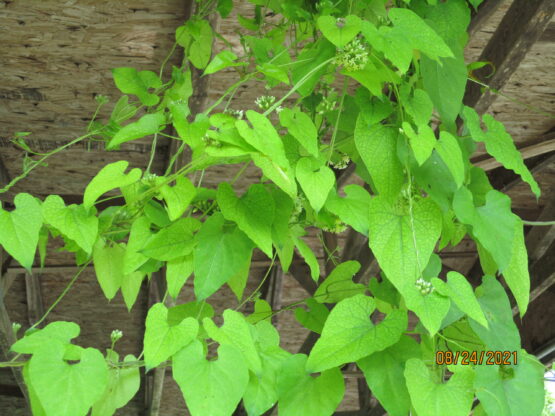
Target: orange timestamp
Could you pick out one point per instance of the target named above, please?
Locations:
(476, 357)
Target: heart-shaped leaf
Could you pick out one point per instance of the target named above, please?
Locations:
(339, 31)
(19, 229)
(339, 284)
(350, 335)
(210, 387)
(316, 180)
(109, 177)
(80, 385)
(162, 339)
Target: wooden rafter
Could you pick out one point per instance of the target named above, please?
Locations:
(521, 27)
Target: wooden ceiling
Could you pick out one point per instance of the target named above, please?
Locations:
(57, 56)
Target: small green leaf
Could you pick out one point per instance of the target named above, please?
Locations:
(178, 271)
(222, 251)
(131, 286)
(517, 274)
(173, 241)
(315, 318)
(499, 144)
(109, 177)
(263, 137)
(19, 229)
(130, 81)
(449, 150)
(123, 384)
(73, 221)
(145, 126)
(353, 209)
(339, 284)
(301, 394)
(222, 60)
(236, 331)
(502, 333)
(384, 373)
(196, 37)
(429, 398)
(302, 128)
(162, 339)
(108, 266)
(178, 197)
(312, 56)
(493, 225)
(350, 335)
(210, 387)
(253, 213)
(460, 291)
(138, 237)
(284, 178)
(423, 143)
(339, 31)
(377, 146)
(419, 106)
(60, 331)
(309, 257)
(316, 180)
(80, 385)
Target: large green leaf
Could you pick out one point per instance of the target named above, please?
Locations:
(499, 144)
(339, 284)
(493, 224)
(131, 81)
(210, 387)
(131, 286)
(236, 331)
(109, 177)
(73, 221)
(67, 389)
(377, 146)
(253, 213)
(511, 390)
(284, 178)
(502, 333)
(516, 274)
(353, 208)
(108, 265)
(316, 179)
(384, 372)
(301, 394)
(349, 334)
(302, 128)
(163, 338)
(123, 384)
(19, 229)
(459, 290)
(339, 31)
(145, 126)
(172, 242)
(403, 244)
(222, 251)
(429, 398)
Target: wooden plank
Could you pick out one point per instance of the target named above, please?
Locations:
(485, 11)
(521, 27)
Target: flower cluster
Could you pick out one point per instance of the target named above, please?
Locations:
(342, 163)
(264, 102)
(353, 57)
(328, 103)
(424, 286)
(116, 335)
(149, 179)
(209, 141)
(338, 227)
(238, 114)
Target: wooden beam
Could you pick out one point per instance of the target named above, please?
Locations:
(485, 11)
(35, 303)
(521, 27)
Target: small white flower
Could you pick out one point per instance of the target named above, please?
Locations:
(116, 335)
(264, 102)
(353, 57)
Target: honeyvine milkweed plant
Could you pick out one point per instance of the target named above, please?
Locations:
(368, 83)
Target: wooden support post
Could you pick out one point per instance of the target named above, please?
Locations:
(521, 27)
(35, 304)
